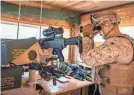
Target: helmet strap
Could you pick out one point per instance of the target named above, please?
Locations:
(115, 25)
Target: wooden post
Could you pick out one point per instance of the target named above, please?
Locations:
(71, 49)
(74, 32)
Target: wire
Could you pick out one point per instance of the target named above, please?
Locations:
(40, 18)
(95, 89)
(18, 19)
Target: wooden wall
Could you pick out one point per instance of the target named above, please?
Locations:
(36, 21)
(126, 13)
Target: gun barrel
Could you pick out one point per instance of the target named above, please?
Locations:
(71, 41)
(75, 41)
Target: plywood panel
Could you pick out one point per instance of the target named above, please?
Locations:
(48, 1)
(36, 21)
(70, 3)
(73, 84)
(125, 12)
(102, 5)
(20, 91)
(85, 19)
(32, 4)
(81, 6)
(59, 3)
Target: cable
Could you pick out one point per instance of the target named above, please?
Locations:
(40, 19)
(18, 19)
(95, 89)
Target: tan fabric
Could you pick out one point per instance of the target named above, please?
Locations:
(115, 49)
(123, 76)
(87, 44)
(115, 91)
(73, 92)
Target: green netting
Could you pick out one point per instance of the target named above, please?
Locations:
(12, 9)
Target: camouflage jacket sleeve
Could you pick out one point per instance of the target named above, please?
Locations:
(115, 49)
(87, 44)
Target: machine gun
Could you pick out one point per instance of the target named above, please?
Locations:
(27, 51)
(53, 38)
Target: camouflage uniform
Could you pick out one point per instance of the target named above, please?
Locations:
(113, 62)
(114, 49)
(87, 44)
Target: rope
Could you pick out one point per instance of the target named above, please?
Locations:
(95, 89)
(40, 18)
(18, 19)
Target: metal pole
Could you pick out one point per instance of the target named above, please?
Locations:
(40, 19)
(18, 19)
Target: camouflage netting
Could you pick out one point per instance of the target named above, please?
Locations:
(12, 9)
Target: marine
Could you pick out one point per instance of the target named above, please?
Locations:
(113, 59)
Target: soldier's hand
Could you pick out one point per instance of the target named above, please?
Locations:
(98, 80)
(94, 33)
(87, 44)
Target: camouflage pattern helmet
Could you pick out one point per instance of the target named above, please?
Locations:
(105, 18)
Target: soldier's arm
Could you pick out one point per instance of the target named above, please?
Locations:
(104, 54)
(87, 44)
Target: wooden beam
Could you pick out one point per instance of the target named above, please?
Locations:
(37, 4)
(32, 4)
(81, 4)
(70, 3)
(85, 19)
(71, 55)
(36, 21)
(110, 8)
(125, 12)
